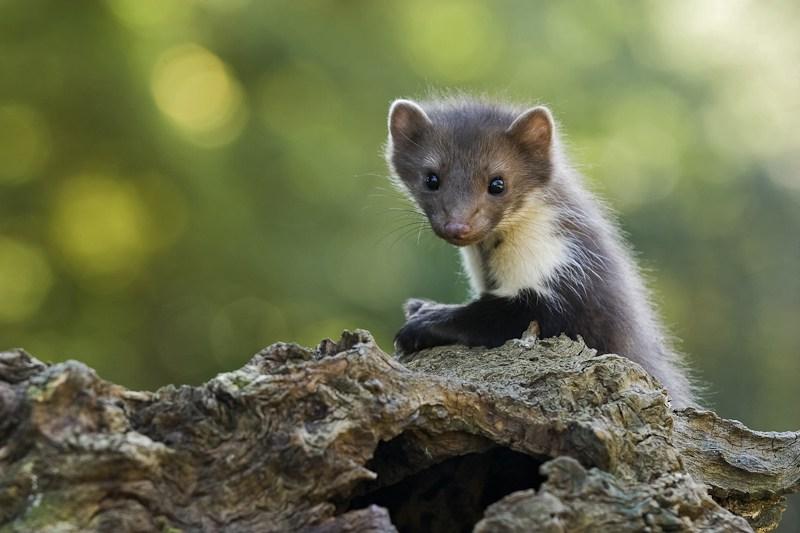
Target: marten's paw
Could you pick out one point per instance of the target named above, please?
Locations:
(413, 305)
(416, 335)
(427, 325)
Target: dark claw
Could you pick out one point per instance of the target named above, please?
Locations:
(425, 328)
(413, 337)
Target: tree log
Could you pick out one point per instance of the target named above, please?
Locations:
(537, 435)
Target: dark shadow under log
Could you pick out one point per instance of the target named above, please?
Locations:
(450, 496)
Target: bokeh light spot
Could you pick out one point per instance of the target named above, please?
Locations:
(102, 227)
(196, 91)
(451, 40)
(146, 14)
(24, 143)
(25, 279)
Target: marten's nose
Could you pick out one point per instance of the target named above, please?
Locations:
(457, 230)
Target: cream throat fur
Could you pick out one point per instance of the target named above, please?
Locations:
(526, 251)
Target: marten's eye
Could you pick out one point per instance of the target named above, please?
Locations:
(497, 186)
(432, 181)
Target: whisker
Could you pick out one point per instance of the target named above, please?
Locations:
(406, 227)
(406, 234)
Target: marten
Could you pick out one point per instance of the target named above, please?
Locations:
(537, 246)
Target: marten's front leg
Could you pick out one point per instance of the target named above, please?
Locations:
(488, 321)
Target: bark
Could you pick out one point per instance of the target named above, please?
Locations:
(537, 435)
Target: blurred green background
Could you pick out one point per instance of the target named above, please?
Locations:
(184, 182)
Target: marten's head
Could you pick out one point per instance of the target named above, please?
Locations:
(468, 165)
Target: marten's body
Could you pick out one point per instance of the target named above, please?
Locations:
(536, 244)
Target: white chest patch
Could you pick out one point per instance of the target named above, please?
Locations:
(532, 252)
(473, 266)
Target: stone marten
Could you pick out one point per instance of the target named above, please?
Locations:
(493, 180)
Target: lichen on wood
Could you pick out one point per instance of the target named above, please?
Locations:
(536, 435)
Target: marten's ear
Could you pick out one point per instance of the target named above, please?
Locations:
(533, 129)
(407, 121)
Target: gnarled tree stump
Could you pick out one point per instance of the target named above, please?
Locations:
(537, 435)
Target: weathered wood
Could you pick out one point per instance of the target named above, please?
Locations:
(573, 499)
(747, 471)
(367, 520)
(546, 434)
